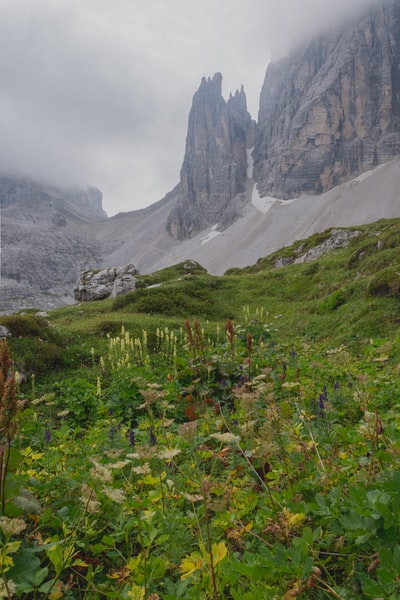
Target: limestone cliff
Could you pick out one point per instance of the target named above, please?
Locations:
(46, 241)
(331, 109)
(214, 171)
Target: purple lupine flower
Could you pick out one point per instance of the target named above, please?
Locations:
(110, 412)
(47, 436)
(131, 438)
(153, 440)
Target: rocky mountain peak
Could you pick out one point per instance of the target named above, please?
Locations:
(331, 109)
(214, 172)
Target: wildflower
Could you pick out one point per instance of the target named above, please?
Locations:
(114, 453)
(230, 331)
(115, 495)
(227, 438)
(187, 431)
(100, 472)
(47, 436)
(63, 413)
(5, 591)
(142, 469)
(169, 454)
(193, 497)
(249, 343)
(290, 384)
(131, 438)
(153, 439)
(89, 499)
(120, 464)
(12, 526)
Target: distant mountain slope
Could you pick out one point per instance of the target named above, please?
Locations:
(45, 242)
(270, 224)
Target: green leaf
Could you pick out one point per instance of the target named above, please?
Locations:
(25, 566)
(40, 576)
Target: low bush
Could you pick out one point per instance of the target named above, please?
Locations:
(385, 283)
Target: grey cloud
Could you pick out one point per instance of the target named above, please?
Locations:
(100, 91)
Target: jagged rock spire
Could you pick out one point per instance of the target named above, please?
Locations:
(214, 169)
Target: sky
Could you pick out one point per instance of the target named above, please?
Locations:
(98, 92)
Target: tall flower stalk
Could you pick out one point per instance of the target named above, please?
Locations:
(8, 415)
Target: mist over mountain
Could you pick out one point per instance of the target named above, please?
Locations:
(323, 152)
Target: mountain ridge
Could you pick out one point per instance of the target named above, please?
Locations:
(324, 153)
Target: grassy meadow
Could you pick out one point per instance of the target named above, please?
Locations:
(204, 437)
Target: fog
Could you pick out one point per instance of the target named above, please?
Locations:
(99, 92)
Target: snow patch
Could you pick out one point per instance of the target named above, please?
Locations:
(210, 235)
(262, 204)
(250, 163)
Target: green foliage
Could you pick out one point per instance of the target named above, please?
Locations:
(330, 303)
(254, 455)
(182, 298)
(27, 325)
(385, 283)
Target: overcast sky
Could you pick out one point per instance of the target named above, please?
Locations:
(99, 91)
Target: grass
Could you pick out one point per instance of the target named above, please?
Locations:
(230, 437)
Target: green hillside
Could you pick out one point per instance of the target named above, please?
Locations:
(231, 437)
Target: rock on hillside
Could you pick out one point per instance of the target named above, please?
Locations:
(331, 109)
(105, 283)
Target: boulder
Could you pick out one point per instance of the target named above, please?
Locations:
(105, 283)
(4, 332)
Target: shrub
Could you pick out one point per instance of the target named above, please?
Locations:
(385, 283)
(331, 302)
(311, 268)
(26, 325)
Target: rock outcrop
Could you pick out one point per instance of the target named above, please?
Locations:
(338, 238)
(105, 283)
(213, 177)
(331, 109)
(4, 332)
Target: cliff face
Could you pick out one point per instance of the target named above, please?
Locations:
(46, 241)
(214, 170)
(331, 110)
